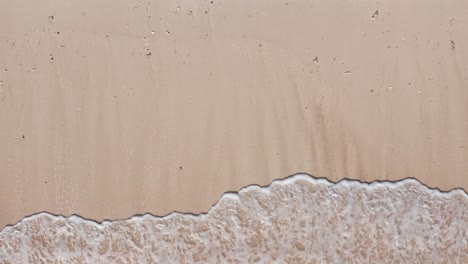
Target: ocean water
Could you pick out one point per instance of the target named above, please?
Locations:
(300, 219)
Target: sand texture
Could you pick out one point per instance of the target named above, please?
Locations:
(297, 220)
(115, 108)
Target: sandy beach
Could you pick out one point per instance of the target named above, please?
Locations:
(115, 108)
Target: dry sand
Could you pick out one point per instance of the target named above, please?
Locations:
(111, 108)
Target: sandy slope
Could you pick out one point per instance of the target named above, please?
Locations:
(110, 108)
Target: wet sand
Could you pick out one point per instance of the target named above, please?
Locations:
(113, 108)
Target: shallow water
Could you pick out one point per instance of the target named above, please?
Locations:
(297, 220)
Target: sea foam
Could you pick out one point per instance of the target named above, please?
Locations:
(300, 219)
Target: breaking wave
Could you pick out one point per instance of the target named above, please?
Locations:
(300, 219)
